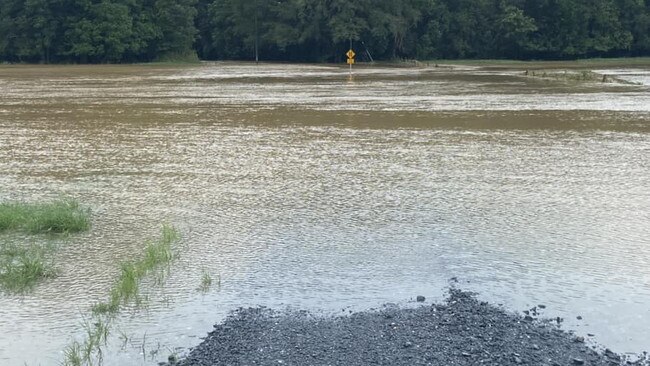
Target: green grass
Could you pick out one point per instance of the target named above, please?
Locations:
(126, 288)
(206, 282)
(61, 216)
(21, 267)
(11, 215)
(78, 354)
(72, 355)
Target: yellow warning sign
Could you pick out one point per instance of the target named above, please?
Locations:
(351, 54)
(351, 61)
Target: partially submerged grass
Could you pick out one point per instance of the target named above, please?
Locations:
(206, 282)
(576, 76)
(126, 288)
(78, 354)
(562, 64)
(72, 355)
(21, 267)
(61, 216)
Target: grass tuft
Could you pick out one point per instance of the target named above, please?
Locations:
(22, 267)
(72, 355)
(62, 216)
(206, 282)
(78, 354)
(126, 288)
(11, 215)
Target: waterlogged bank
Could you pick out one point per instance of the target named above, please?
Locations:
(295, 185)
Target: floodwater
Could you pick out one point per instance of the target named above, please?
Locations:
(301, 187)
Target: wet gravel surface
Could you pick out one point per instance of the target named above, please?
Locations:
(461, 331)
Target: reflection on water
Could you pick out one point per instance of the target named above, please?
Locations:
(301, 189)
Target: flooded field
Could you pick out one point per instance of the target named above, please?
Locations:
(296, 185)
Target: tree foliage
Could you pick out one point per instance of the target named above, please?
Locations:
(103, 31)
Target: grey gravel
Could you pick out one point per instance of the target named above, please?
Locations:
(461, 331)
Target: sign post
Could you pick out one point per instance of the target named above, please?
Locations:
(350, 55)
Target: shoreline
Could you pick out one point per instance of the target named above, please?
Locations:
(585, 63)
(459, 331)
(640, 61)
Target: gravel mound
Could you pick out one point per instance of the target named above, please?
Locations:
(462, 331)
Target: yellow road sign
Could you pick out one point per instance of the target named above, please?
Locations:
(351, 61)
(351, 54)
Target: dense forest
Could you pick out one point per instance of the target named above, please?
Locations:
(112, 31)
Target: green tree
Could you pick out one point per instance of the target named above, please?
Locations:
(348, 19)
(175, 20)
(319, 30)
(513, 29)
(104, 34)
(236, 27)
(28, 30)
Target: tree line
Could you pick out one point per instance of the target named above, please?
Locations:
(113, 31)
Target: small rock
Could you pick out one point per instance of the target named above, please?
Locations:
(590, 335)
(579, 339)
(408, 345)
(421, 298)
(535, 347)
(579, 317)
(172, 359)
(529, 318)
(541, 306)
(609, 353)
(578, 361)
(465, 354)
(559, 320)
(518, 360)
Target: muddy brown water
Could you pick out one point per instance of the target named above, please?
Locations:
(301, 187)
